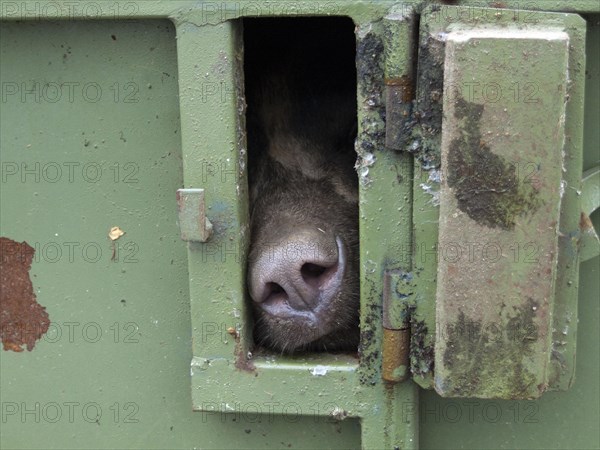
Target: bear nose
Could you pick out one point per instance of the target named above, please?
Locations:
(299, 273)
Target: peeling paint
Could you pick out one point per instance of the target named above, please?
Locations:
(435, 195)
(369, 70)
(319, 371)
(339, 413)
(427, 121)
(23, 321)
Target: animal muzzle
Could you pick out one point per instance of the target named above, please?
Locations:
(300, 275)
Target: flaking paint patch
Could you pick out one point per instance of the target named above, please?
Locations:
(23, 321)
(426, 124)
(369, 71)
(319, 371)
(435, 194)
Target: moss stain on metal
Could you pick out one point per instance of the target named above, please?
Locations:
(486, 186)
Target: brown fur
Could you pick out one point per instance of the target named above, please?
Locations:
(301, 95)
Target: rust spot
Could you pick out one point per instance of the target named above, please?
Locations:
(585, 224)
(395, 355)
(23, 320)
(405, 87)
(232, 331)
(243, 363)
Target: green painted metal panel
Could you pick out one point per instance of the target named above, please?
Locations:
(113, 370)
(557, 420)
(225, 372)
(138, 372)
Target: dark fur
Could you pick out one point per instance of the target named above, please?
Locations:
(301, 95)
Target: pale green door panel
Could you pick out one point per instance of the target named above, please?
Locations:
(226, 368)
(119, 343)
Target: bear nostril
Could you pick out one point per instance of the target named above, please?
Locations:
(274, 292)
(310, 270)
(312, 274)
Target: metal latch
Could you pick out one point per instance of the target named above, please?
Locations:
(193, 224)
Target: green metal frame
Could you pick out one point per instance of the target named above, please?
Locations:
(225, 376)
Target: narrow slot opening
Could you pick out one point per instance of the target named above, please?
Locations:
(301, 121)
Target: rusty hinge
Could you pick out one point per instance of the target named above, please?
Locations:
(397, 301)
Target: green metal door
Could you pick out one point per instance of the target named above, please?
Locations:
(147, 339)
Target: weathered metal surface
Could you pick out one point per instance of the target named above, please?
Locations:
(397, 307)
(193, 223)
(399, 28)
(432, 93)
(113, 370)
(561, 373)
(557, 419)
(425, 146)
(385, 232)
(210, 13)
(499, 212)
